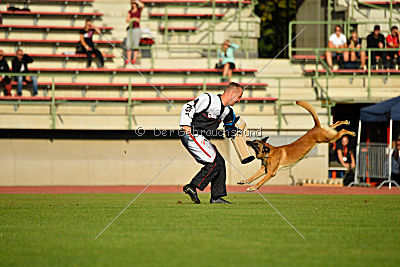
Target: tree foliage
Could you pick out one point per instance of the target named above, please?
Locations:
(274, 31)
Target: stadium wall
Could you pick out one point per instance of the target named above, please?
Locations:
(119, 162)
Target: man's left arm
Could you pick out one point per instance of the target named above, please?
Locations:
(27, 59)
(230, 121)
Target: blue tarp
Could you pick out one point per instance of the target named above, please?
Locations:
(384, 111)
(395, 112)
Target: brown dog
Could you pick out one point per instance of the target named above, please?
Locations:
(274, 158)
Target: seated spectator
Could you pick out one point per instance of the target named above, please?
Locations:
(376, 40)
(392, 41)
(345, 154)
(5, 80)
(336, 40)
(355, 43)
(86, 40)
(134, 33)
(227, 60)
(396, 161)
(20, 64)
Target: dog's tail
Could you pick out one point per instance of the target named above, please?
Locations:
(310, 109)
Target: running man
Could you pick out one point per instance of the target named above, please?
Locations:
(199, 119)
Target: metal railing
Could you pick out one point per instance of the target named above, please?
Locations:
(346, 27)
(53, 103)
(368, 77)
(320, 86)
(351, 9)
(373, 160)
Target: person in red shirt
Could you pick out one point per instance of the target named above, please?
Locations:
(392, 41)
(133, 39)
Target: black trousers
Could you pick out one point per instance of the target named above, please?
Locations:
(214, 173)
(393, 58)
(98, 55)
(381, 54)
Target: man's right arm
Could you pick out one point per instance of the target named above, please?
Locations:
(192, 107)
(369, 41)
(14, 65)
(83, 43)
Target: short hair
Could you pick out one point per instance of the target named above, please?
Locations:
(19, 49)
(233, 86)
(87, 20)
(377, 28)
(394, 28)
(338, 26)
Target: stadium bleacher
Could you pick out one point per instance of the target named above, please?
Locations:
(195, 2)
(170, 67)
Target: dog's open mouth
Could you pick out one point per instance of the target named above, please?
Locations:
(260, 149)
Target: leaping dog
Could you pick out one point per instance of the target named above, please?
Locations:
(273, 158)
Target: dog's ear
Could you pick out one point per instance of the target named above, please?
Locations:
(265, 139)
(249, 143)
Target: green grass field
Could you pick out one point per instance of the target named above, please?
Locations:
(59, 230)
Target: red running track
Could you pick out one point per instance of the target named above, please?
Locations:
(306, 190)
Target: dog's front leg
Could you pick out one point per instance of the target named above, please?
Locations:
(261, 182)
(340, 134)
(257, 175)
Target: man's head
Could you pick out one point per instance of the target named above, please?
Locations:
(338, 30)
(377, 30)
(1, 54)
(88, 23)
(232, 94)
(20, 54)
(345, 140)
(394, 30)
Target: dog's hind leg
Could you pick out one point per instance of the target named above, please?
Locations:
(338, 123)
(340, 134)
(257, 175)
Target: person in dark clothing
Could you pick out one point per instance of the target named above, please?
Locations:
(376, 40)
(199, 117)
(5, 80)
(20, 64)
(345, 154)
(396, 161)
(86, 40)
